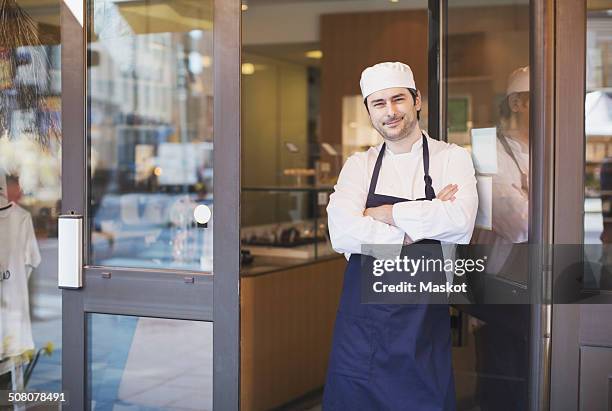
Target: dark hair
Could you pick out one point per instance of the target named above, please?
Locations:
(413, 93)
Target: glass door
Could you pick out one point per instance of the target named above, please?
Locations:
(149, 236)
(485, 107)
(30, 196)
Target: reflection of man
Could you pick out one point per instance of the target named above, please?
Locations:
(502, 343)
(605, 183)
(511, 183)
(392, 357)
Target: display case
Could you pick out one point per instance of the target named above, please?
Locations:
(287, 223)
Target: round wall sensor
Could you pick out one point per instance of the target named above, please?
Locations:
(202, 214)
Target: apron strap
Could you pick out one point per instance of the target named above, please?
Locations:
(508, 149)
(376, 172)
(430, 194)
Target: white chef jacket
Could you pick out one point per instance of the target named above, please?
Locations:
(401, 175)
(510, 211)
(510, 205)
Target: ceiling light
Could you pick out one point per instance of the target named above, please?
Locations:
(248, 69)
(394, 1)
(314, 54)
(244, 6)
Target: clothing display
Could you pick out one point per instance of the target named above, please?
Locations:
(19, 254)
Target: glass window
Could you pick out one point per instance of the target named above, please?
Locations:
(488, 110)
(150, 103)
(30, 195)
(598, 144)
(139, 363)
(488, 113)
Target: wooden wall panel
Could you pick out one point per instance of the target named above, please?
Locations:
(353, 41)
(286, 329)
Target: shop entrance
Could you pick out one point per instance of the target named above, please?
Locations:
(302, 111)
(148, 237)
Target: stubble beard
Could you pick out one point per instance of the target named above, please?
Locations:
(405, 132)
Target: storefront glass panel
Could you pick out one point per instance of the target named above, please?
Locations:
(487, 111)
(150, 110)
(139, 363)
(598, 146)
(30, 195)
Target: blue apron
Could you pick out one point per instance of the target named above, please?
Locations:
(389, 356)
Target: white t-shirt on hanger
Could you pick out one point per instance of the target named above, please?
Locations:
(18, 254)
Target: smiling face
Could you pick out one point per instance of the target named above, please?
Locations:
(393, 112)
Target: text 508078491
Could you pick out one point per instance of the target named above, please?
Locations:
(17, 397)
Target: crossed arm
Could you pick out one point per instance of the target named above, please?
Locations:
(449, 217)
(384, 213)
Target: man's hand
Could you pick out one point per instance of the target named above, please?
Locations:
(383, 213)
(448, 193)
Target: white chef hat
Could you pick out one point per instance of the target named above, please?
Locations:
(385, 75)
(518, 81)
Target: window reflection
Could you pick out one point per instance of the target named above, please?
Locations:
(150, 109)
(502, 157)
(488, 112)
(147, 364)
(598, 147)
(30, 166)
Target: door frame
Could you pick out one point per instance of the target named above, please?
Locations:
(570, 90)
(130, 291)
(436, 63)
(541, 201)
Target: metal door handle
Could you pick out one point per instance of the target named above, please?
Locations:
(70, 251)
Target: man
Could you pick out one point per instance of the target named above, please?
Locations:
(396, 357)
